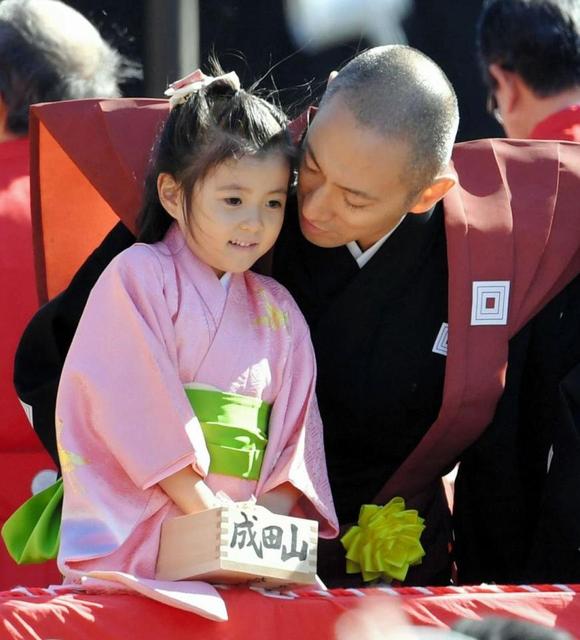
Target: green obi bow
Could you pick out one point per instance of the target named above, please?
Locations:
(32, 533)
(234, 428)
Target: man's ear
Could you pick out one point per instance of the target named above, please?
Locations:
(430, 196)
(170, 195)
(507, 91)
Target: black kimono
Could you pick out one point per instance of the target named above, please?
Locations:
(517, 509)
(380, 382)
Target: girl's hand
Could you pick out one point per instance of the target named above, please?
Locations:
(280, 500)
(189, 492)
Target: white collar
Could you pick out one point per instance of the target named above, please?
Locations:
(225, 280)
(362, 257)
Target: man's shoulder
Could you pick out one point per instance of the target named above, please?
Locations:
(515, 178)
(500, 150)
(513, 218)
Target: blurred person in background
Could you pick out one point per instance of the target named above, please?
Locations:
(387, 619)
(48, 52)
(529, 51)
(498, 628)
(525, 471)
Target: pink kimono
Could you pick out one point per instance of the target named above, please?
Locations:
(156, 320)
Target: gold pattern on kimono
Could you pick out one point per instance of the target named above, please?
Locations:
(69, 460)
(275, 317)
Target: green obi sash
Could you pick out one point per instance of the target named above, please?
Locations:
(235, 428)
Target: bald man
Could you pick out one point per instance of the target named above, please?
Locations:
(387, 256)
(369, 179)
(48, 52)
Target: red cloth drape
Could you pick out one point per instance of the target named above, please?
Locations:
(310, 616)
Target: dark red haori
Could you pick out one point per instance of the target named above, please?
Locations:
(513, 242)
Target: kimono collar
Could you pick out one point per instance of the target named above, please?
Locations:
(562, 125)
(362, 257)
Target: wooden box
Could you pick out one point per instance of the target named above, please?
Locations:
(236, 544)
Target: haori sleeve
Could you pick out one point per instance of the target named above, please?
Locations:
(295, 452)
(120, 387)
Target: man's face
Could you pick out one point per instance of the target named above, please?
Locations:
(352, 180)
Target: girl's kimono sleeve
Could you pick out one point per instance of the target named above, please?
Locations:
(295, 451)
(120, 386)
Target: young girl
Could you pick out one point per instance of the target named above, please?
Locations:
(189, 374)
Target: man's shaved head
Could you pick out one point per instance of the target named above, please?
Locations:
(403, 95)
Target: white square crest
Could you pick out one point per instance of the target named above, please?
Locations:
(490, 301)
(440, 345)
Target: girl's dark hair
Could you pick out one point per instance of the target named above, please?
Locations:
(216, 123)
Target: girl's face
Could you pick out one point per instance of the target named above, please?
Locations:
(237, 211)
